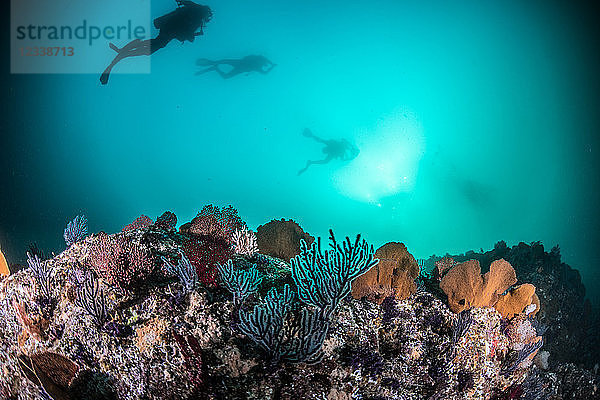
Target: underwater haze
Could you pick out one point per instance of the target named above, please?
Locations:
(476, 121)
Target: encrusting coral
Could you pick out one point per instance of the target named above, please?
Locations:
(394, 275)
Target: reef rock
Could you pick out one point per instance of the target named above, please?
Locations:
(394, 275)
(281, 238)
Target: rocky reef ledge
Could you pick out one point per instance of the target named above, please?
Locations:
(210, 311)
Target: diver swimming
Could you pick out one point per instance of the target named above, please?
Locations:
(252, 63)
(334, 149)
(181, 24)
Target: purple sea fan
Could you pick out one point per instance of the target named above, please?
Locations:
(76, 230)
(43, 273)
(244, 242)
(91, 298)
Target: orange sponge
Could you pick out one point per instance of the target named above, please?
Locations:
(4, 271)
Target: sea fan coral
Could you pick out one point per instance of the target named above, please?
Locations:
(296, 341)
(184, 270)
(120, 261)
(91, 298)
(244, 242)
(205, 253)
(323, 279)
(216, 222)
(43, 273)
(141, 222)
(75, 230)
(239, 282)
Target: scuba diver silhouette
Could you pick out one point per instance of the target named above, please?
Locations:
(340, 149)
(181, 24)
(252, 63)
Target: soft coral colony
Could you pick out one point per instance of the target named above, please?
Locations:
(210, 311)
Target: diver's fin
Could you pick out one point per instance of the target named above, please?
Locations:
(115, 48)
(203, 62)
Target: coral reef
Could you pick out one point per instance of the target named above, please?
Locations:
(394, 275)
(572, 322)
(281, 238)
(166, 331)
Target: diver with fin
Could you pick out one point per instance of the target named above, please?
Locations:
(252, 63)
(334, 149)
(181, 24)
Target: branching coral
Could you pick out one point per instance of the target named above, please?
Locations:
(298, 341)
(324, 279)
(184, 270)
(43, 273)
(76, 230)
(239, 282)
(244, 242)
(91, 297)
(264, 324)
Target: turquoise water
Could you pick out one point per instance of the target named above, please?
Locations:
(476, 122)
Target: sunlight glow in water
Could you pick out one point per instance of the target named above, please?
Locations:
(388, 160)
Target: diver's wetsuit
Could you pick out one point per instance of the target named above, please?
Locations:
(181, 24)
(253, 63)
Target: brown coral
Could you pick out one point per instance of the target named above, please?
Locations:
(466, 287)
(517, 300)
(281, 238)
(4, 271)
(395, 274)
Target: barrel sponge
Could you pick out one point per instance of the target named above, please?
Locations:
(516, 300)
(466, 287)
(4, 271)
(395, 275)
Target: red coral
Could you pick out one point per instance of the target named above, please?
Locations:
(205, 252)
(120, 262)
(141, 222)
(217, 222)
